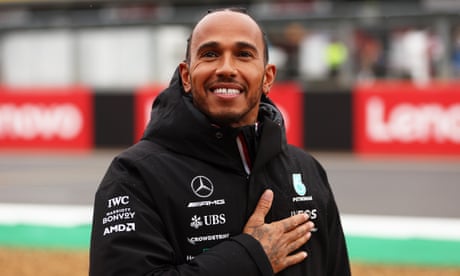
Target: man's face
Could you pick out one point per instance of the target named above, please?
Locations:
(227, 73)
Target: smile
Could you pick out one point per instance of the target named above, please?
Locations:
(226, 91)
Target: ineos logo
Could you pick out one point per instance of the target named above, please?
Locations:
(202, 186)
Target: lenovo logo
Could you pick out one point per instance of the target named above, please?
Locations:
(37, 121)
(408, 122)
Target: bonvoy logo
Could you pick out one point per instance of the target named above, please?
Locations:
(202, 186)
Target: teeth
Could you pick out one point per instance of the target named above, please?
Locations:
(226, 91)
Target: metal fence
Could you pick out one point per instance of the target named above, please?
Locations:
(125, 44)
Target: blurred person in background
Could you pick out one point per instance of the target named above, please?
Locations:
(312, 57)
(213, 188)
(336, 56)
(456, 52)
(410, 55)
(289, 41)
(370, 57)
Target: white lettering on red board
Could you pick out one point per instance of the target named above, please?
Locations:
(406, 122)
(31, 121)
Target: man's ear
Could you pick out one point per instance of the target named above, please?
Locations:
(185, 76)
(269, 78)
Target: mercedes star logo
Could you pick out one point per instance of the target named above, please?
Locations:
(202, 186)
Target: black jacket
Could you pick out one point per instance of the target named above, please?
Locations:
(176, 202)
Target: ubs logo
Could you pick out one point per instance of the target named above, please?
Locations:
(202, 186)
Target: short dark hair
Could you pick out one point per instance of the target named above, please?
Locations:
(233, 9)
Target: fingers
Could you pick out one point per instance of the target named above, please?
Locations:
(265, 203)
(257, 219)
(298, 237)
(294, 240)
(280, 238)
(262, 208)
(291, 223)
(294, 259)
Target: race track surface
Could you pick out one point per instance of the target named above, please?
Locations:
(417, 186)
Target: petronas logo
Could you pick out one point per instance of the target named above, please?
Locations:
(298, 184)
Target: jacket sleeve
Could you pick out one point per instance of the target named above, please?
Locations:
(337, 256)
(129, 237)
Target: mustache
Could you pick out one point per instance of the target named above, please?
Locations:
(226, 79)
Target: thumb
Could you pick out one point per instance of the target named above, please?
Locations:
(263, 206)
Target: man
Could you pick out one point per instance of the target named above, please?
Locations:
(213, 188)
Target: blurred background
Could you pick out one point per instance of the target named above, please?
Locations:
(371, 88)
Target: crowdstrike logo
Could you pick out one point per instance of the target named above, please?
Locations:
(202, 186)
(215, 237)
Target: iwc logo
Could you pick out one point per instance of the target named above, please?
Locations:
(202, 186)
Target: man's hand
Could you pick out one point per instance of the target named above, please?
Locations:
(280, 238)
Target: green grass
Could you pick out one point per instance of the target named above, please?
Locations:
(361, 249)
(45, 236)
(404, 251)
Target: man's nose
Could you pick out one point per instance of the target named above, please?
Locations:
(226, 66)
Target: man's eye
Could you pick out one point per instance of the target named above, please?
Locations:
(245, 54)
(209, 54)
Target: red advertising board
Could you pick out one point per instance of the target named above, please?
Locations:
(143, 101)
(287, 96)
(403, 118)
(46, 118)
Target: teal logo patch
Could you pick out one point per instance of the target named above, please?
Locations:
(298, 184)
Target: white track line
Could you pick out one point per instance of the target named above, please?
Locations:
(353, 225)
(49, 215)
(402, 227)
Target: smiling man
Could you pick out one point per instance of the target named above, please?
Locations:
(226, 69)
(213, 188)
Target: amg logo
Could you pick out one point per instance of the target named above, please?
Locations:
(206, 203)
(126, 227)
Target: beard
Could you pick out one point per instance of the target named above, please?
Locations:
(225, 118)
(228, 115)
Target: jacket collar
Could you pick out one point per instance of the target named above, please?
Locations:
(177, 125)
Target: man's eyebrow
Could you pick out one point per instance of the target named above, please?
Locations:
(210, 44)
(243, 44)
(215, 44)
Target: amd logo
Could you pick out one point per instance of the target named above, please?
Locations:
(125, 227)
